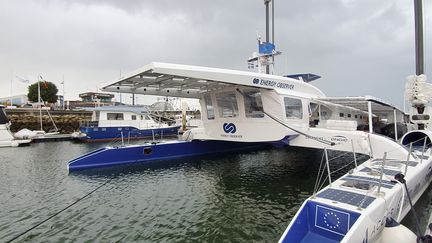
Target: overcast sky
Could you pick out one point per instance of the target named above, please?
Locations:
(359, 47)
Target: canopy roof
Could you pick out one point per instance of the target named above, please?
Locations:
(120, 108)
(186, 81)
(361, 103)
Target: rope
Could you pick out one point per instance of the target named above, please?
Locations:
(57, 213)
(302, 133)
(291, 128)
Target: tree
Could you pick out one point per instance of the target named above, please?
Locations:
(48, 92)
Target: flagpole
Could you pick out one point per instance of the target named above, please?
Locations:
(64, 99)
(11, 90)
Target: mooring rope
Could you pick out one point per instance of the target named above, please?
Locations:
(58, 212)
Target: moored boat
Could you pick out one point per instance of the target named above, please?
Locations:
(6, 137)
(123, 123)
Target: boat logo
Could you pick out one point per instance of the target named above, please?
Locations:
(272, 84)
(229, 128)
(338, 138)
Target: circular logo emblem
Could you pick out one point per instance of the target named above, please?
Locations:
(255, 80)
(229, 128)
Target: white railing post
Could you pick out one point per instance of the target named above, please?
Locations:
(382, 172)
(395, 124)
(406, 164)
(354, 154)
(370, 116)
(424, 146)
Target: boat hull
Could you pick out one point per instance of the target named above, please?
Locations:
(110, 156)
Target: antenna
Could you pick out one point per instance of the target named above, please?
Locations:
(264, 58)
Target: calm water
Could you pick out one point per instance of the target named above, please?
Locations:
(232, 198)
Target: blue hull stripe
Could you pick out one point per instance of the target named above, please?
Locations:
(155, 152)
(112, 133)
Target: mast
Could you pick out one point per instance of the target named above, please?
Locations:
(418, 15)
(267, 2)
(40, 105)
(263, 60)
(64, 99)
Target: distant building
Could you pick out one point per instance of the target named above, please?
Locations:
(91, 99)
(96, 97)
(17, 100)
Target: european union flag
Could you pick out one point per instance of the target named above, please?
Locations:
(332, 220)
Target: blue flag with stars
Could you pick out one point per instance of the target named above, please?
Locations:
(332, 220)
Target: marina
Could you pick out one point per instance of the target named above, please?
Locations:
(266, 157)
(244, 197)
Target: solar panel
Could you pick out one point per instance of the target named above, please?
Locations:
(350, 198)
(386, 171)
(373, 181)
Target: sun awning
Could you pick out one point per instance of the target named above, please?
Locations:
(178, 80)
(361, 102)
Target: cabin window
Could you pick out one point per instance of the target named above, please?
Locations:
(133, 117)
(341, 114)
(209, 107)
(253, 104)
(313, 107)
(349, 115)
(97, 115)
(293, 108)
(3, 117)
(115, 116)
(355, 116)
(227, 104)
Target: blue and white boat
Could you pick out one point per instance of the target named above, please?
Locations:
(123, 123)
(368, 203)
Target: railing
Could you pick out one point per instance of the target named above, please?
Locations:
(319, 183)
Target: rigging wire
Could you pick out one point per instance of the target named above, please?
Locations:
(58, 212)
(291, 128)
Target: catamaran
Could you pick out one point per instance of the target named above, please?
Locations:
(247, 110)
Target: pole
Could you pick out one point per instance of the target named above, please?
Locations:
(382, 172)
(40, 105)
(395, 124)
(370, 116)
(418, 15)
(406, 164)
(133, 98)
(266, 2)
(64, 97)
(11, 91)
(273, 41)
(354, 154)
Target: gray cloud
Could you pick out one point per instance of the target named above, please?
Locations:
(359, 47)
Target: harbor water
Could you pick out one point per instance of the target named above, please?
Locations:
(247, 197)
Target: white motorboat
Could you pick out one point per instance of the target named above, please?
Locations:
(6, 137)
